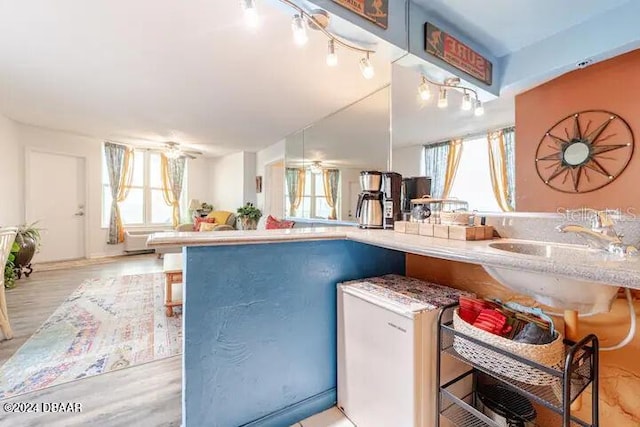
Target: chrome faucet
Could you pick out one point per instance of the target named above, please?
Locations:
(602, 234)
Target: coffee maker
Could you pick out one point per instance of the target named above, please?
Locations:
(391, 191)
(379, 202)
(369, 209)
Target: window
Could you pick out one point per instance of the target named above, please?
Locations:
(145, 203)
(473, 180)
(313, 204)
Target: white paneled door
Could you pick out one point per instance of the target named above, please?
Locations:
(55, 197)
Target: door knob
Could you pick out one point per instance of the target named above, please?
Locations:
(79, 213)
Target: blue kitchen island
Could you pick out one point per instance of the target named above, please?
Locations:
(260, 310)
(260, 324)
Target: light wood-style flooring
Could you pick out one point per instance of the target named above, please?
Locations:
(35, 298)
(143, 395)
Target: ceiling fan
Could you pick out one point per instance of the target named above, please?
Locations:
(173, 151)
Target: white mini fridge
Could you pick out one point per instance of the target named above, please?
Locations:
(387, 351)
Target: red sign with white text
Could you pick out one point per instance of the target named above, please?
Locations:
(454, 52)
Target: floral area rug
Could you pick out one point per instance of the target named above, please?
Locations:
(106, 324)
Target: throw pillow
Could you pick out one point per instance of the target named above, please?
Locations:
(275, 224)
(208, 226)
(199, 221)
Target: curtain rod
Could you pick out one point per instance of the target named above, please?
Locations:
(468, 136)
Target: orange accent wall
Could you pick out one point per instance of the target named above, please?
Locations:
(612, 85)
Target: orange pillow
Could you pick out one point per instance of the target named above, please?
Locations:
(208, 226)
(275, 224)
(198, 221)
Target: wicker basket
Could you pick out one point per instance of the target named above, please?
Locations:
(551, 354)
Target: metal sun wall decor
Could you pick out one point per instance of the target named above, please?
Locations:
(584, 151)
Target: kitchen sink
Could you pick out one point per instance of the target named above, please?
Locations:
(545, 250)
(556, 291)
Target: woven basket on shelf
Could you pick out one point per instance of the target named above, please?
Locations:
(551, 354)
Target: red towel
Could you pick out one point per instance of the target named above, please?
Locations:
(470, 308)
(492, 321)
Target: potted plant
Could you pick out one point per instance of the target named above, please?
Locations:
(204, 209)
(28, 240)
(10, 274)
(249, 216)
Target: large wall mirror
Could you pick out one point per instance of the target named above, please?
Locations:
(323, 161)
(450, 144)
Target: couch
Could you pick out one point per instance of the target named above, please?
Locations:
(225, 221)
(228, 224)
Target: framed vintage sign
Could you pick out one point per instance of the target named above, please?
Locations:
(376, 11)
(454, 52)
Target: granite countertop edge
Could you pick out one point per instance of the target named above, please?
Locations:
(623, 273)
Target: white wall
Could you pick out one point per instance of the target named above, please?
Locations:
(271, 154)
(198, 179)
(249, 178)
(226, 175)
(11, 200)
(350, 188)
(34, 138)
(407, 161)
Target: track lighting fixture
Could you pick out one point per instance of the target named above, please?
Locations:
(317, 20)
(332, 57)
(299, 28)
(367, 68)
(251, 18)
(424, 90)
(443, 102)
(466, 101)
(470, 100)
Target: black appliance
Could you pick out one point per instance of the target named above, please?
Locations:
(391, 188)
(413, 188)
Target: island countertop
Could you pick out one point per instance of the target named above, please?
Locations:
(588, 265)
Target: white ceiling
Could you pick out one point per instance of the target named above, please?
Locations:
(418, 122)
(505, 26)
(157, 70)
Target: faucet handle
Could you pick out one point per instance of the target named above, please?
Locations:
(599, 218)
(604, 218)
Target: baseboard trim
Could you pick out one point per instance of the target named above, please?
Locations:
(298, 411)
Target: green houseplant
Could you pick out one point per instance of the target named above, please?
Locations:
(9, 268)
(26, 244)
(249, 216)
(29, 239)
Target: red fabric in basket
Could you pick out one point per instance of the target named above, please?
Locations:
(492, 321)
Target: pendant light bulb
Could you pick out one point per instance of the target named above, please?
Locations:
(466, 102)
(251, 18)
(367, 68)
(299, 29)
(424, 90)
(332, 57)
(479, 110)
(443, 102)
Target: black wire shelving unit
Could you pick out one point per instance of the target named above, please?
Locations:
(458, 399)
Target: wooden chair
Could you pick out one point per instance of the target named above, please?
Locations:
(172, 269)
(7, 237)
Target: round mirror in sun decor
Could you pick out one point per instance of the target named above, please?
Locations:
(584, 151)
